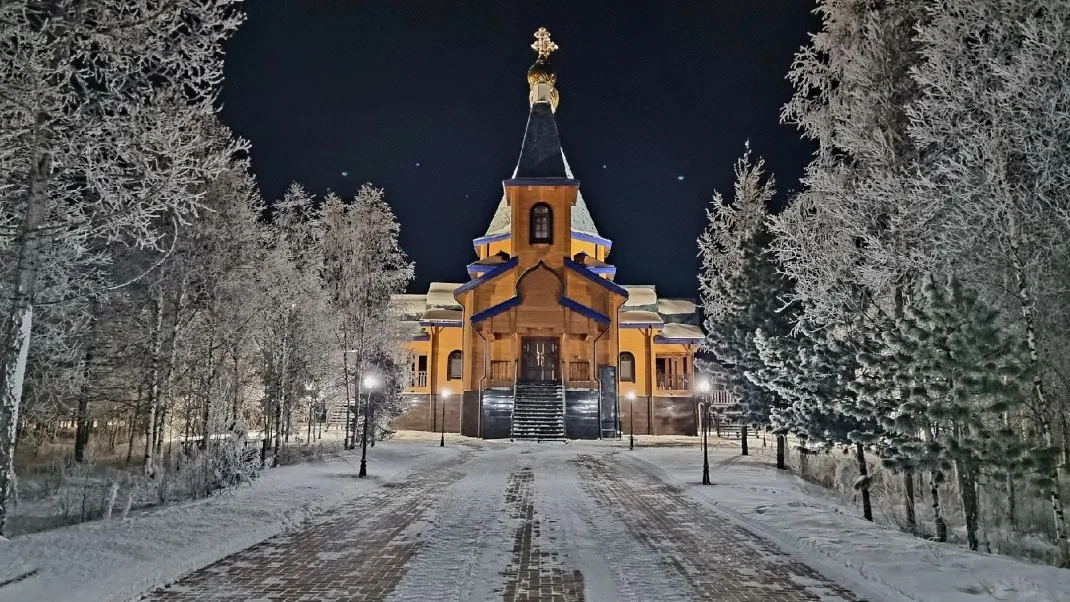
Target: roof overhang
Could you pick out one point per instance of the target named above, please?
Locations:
(589, 275)
(585, 311)
(492, 274)
(494, 310)
(516, 182)
(576, 234)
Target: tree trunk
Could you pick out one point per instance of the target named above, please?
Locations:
(968, 494)
(863, 473)
(1025, 298)
(18, 325)
(81, 437)
(908, 488)
(206, 412)
(743, 440)
(781, 445)
(154, 385)
(236, 402)
(938, 519)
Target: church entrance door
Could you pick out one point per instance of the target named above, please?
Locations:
(540, 359)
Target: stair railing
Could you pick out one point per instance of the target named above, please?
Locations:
(512, 408)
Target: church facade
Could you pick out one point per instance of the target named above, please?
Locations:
(542, 342)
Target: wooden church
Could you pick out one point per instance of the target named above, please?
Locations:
(542, 342)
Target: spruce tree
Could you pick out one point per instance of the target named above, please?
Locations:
(742, 291)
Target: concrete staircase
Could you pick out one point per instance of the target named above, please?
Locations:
(538, 411)
(336, 416)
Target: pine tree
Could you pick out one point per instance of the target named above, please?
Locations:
(962, 370)
(742, 291)
(813, 369)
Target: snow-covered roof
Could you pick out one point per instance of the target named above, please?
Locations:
(682, 331)
(676, 306)
(639, 317)
(440, 295)
(442, 315)
(582, 221)
(641, 295)
(408, 306)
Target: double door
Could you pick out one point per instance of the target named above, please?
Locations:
(540, 359)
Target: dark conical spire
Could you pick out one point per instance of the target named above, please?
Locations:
(540, 154)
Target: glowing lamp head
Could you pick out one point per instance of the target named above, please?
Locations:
(704, 386)
(445, 393)
(631, 394)
(370, 382)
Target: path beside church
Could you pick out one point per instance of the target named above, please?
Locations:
(525, 522)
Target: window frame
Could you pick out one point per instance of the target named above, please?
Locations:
(459, 356)
(620, 363)
(533, 236)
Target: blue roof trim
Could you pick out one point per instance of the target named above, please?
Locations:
(603, 269)
(677, 340)
(585, 311)
(642, 325)
(494, 310)
(480, 268)
(598, 240)
(441, 322)
(497, 271)
(582, 271)
(420, 337)
(483, 240)
(541, 182)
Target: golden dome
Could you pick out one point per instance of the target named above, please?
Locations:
(542, 80)
(541, 73)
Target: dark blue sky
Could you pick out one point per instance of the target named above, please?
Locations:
(428, 100)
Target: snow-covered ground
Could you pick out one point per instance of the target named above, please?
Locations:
(629, 525)
(805, 520)
(117, 560)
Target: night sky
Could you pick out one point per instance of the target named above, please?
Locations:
(428, 100)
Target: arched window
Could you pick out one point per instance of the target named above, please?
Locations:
(455, 365)
(542, 224)
(627, 367)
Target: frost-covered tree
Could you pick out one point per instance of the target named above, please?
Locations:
(813, 370)
(742, 291)
(992, 116)
(363, 265)
(846, 240)
(102, 107)
(961, 370)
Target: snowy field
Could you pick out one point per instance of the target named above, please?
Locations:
(809, 522)
(492, 520)
(117, 560)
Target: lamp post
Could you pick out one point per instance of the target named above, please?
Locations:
(445, 398)
(704, 387)
(631, 420)
(370, 383)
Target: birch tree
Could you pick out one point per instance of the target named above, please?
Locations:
(101, 105)
(363, 266)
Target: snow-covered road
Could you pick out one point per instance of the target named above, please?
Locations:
(517, 522)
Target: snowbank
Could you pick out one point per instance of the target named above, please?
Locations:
(889, 563)
(118, 560)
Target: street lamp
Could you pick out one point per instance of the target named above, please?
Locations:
(631, 420)
(445, 398)
(704, 387)
(370, 383)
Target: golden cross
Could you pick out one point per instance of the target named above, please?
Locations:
(543, 44)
